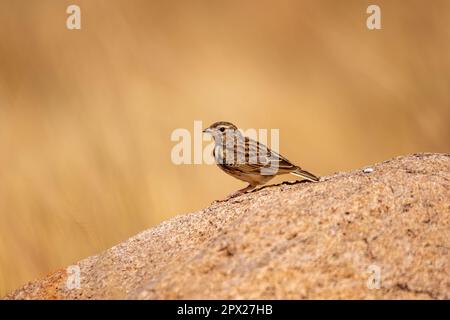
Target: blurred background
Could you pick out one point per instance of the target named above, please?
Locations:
(86, 115)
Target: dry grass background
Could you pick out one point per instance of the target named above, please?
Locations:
(86, 116)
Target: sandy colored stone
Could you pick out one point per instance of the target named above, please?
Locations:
(290, 241)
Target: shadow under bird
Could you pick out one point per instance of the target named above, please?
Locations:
(249, 160)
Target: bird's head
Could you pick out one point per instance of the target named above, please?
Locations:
(221, 128)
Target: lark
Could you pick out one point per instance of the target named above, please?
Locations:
(248, 160)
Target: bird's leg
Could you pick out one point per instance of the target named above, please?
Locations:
(241, 191)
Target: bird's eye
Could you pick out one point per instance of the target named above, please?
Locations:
(221, 129)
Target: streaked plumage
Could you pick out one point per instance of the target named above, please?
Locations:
(249, 160)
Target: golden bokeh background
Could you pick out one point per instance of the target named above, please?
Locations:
(86, 115)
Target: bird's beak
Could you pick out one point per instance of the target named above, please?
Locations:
(207, 130)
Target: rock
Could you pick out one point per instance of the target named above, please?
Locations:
(340, 238)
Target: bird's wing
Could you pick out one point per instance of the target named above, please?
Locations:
(259, 158)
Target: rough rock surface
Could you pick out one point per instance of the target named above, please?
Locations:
(290, 241)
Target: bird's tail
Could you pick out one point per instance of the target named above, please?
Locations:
(305, 175)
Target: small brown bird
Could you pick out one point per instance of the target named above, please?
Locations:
(247, 159)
